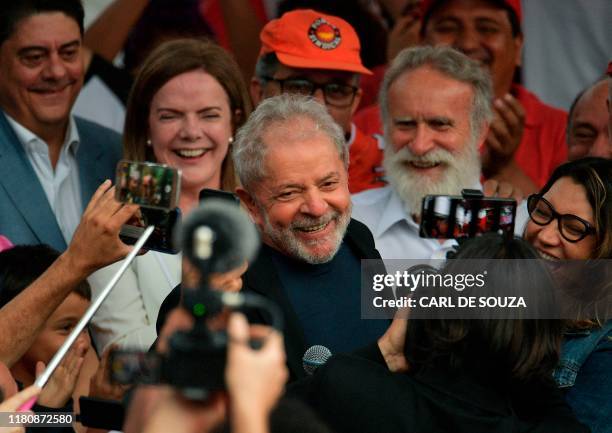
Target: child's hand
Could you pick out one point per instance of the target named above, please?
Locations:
(100, 384)
(60, 386)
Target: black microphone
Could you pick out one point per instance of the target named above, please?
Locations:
(315, 357)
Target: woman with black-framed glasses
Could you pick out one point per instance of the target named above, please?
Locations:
(571, 227)
(571, 219)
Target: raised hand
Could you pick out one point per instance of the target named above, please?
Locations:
(505, 134)
(60, 386)
(391, 344)
(96, 242)
(255, 378)
(100, 385)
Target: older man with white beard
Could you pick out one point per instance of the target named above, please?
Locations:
(436, 109)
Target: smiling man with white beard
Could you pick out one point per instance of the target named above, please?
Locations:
(411, 186)
(435, 105)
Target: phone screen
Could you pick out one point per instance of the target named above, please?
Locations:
(148, 185)
(129, 366)
(446, 217)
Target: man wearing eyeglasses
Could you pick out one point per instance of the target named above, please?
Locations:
(309, 53)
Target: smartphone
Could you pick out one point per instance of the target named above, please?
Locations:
(101, 414)
(446, 217)
(207, 193)
(128, 367)
(162, 237)
(149, 185)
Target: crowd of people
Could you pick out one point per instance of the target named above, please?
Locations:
(330, 145)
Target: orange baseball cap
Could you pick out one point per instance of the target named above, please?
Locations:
(304, 38)
(515, 5)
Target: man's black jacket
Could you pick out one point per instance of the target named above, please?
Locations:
(262, 278)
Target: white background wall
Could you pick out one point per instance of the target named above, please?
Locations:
(93, 9)
(568, 44)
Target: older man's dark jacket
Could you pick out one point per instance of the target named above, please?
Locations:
(262, 278)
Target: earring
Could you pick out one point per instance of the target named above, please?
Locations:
(230, 140)
(149, 143)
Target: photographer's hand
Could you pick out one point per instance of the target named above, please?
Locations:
(174, 413)
(391, 344)
(161, 409)
(100, 385)
(255, 378)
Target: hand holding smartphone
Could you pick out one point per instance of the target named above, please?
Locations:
(156, 188)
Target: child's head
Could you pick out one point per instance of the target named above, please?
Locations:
(19, 267)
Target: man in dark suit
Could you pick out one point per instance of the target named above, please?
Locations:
(51, 162)
(292, 159)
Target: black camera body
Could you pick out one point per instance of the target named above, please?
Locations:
(195, 360)
(195, 363)
(215, 238)
(194, 367)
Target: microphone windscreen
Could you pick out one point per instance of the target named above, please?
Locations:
(315, 357)
(235, 238)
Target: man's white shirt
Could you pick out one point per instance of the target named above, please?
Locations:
(61, 185)
(395, 232)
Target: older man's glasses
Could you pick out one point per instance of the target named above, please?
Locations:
(335, 94)
(571, 227)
